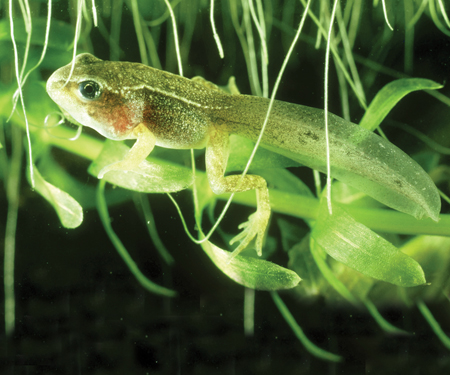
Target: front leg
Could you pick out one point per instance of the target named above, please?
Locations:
(145, 142)
(217, 151)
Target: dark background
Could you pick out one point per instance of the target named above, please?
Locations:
(80, 311)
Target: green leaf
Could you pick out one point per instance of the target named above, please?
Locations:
(251, 272)
(390, 95)
(358, 247)
(69, 211)
(150, 177)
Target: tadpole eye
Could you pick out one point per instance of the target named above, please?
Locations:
(89, 90)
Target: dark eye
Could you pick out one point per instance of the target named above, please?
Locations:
(89, 90)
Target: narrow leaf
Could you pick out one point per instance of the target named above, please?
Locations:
(69, 211)
(358, 247)
(390, 95)
(251, 272)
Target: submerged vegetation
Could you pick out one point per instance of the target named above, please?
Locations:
(327, 240)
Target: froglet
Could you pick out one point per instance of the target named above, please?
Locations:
(123, 100)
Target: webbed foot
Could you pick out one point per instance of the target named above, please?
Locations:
(254, 227)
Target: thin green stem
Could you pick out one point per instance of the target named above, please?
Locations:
(104, 216)
(382, 220)
(309, 346)
(152, 231)
(383, 323)
(435, 326)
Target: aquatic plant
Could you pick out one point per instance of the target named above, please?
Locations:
(359, 253)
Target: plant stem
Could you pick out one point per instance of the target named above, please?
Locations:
(382, 220)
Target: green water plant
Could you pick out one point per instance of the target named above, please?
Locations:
(350, 250)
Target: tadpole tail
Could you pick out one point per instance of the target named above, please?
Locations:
(358, 157)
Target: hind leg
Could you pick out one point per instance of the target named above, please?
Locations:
(217, 151)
